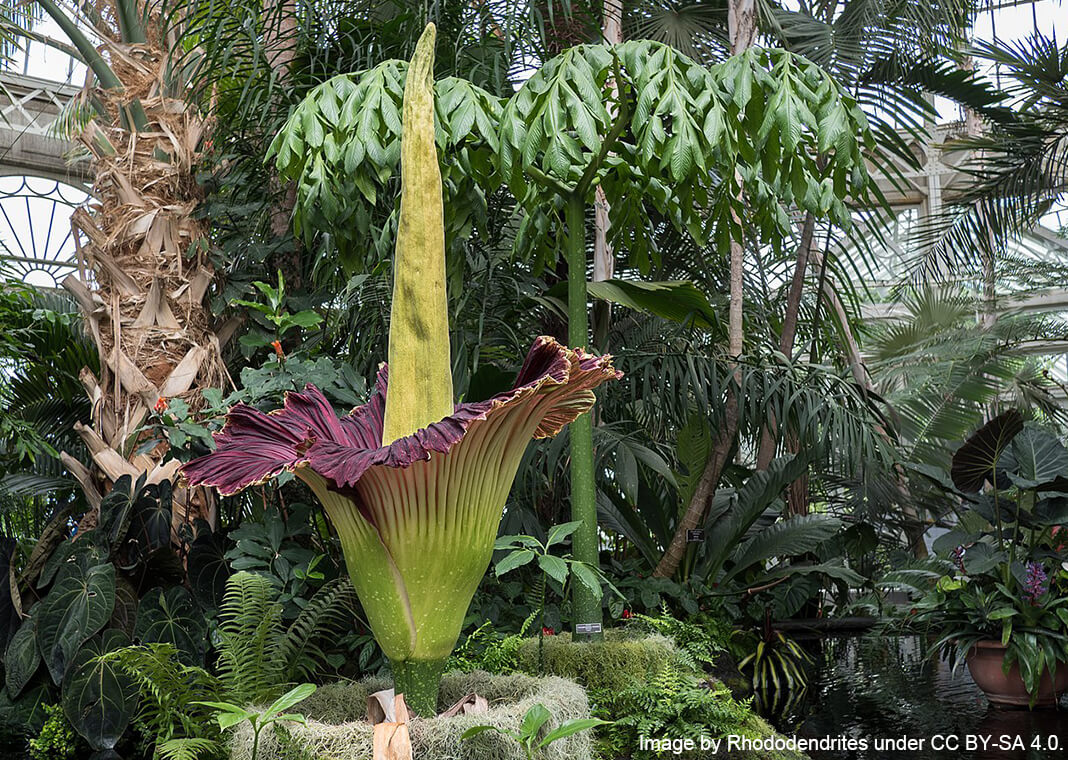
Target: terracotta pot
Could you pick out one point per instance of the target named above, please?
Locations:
(1007, 689)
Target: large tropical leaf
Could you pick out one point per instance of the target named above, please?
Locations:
(78, 606)
(99, 698)
(171, 616)
(797, 535)
(1036, 457)
(22, 657)
(976, 462)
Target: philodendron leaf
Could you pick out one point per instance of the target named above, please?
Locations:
(99, 699)
(977, 461)
(172, 617)
(76, 608)
(22, 657)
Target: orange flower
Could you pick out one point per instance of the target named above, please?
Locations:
(277, 345)
(161, 405)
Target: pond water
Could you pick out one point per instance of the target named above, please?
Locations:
(882, 690)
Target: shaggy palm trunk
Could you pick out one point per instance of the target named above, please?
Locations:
(143, 267)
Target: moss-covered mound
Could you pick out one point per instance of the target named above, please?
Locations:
(615, 663)
(337, 730)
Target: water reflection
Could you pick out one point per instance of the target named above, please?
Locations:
(882, 690)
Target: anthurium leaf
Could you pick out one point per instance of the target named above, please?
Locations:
(975, 462)
(511, 561)
(476, 730)
(77, 607)
(150, 525)
(22, 657)
(171, 617)
(207, 568)
(99, 699)
(10, 616)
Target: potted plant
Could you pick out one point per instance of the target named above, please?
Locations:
(1001, 606)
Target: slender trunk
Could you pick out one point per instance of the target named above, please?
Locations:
(604, 263)
(280, 28)
(702, 494)
(587, 605)
(741, 24)
(789, 331)
(913, 525)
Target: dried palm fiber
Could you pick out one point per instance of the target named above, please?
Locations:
(146, 252)
(337, 729)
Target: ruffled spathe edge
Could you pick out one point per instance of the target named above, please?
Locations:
(254, 447)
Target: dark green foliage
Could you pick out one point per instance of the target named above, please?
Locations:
(78, 606)
(171, 616)
(82, 599)
(99, 699)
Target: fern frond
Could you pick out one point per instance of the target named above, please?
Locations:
(187, 749)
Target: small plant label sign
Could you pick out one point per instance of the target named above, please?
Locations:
(695, 536)
(588, 628)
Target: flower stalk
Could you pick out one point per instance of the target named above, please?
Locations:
(414, 486)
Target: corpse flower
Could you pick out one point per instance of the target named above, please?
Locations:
(414, 485)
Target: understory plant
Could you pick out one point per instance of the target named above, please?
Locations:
(529, 736)
(414, 485)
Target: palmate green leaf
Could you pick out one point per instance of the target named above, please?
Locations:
(355, 161)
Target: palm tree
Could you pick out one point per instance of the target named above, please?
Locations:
(144, 251)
